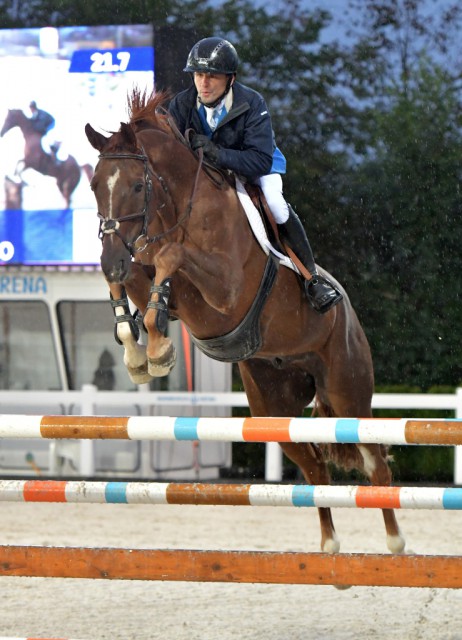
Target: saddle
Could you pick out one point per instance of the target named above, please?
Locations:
(259, 201)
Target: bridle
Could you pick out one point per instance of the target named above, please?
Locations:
(112, 225)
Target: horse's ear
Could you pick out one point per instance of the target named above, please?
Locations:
(97, 140)
(128, 135)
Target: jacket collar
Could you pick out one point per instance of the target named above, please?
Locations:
(239, 103)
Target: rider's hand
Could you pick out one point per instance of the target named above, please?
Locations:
(210, 148)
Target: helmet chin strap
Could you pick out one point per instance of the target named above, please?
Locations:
(211, 105)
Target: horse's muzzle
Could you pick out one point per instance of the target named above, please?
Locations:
(116, 268)
(116, 275)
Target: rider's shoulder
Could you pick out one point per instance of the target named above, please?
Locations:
(242, 92)
(185, 97)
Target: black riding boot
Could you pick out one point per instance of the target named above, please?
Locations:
(320, 292)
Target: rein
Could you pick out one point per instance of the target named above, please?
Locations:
(112, 225)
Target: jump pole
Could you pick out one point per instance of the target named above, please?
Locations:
(318, 430)
(256, 495)
(233, 566)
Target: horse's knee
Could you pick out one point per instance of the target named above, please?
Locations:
(170, 258)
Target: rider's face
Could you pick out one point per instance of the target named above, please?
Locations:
(210, 86)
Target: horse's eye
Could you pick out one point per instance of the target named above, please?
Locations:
(139, 187)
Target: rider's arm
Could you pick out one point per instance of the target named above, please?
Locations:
(254, 156)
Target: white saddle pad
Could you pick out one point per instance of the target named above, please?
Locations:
(258, 228)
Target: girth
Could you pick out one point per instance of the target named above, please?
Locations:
(245, 340)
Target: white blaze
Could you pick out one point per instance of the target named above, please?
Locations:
(111, 183)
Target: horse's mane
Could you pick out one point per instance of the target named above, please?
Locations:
(143, 110)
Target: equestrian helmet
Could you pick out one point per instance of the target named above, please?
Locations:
(212, 55)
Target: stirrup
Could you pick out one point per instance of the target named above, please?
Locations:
(321, 294)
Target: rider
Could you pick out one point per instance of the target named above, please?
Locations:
(43, 122)
(234, 129)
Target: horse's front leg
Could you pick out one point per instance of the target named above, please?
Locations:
(211, 274)
(126, 331)
(160, 350)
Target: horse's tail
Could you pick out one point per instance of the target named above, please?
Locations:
(346, 456)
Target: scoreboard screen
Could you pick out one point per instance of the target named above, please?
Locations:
(73, 75)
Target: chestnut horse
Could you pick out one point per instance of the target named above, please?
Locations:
(175, 238)
(67, 172)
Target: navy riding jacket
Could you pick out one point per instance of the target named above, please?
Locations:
(244, 136)
(42, 121)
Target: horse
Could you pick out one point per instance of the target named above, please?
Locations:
(176, 242)
(67, 172)
(13, 193)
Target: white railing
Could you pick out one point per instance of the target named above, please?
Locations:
(89, 398)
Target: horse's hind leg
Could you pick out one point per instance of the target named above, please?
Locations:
(309, 458)
(286, 392)
(377, 470)
(348, 392)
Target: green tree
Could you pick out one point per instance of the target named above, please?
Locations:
(407, 194)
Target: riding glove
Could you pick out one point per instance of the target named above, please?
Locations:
(210, 149)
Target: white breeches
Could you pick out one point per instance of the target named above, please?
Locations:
(51, 139)
(271, 185)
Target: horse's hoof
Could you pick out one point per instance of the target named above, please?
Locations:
(396, 544)
(159, 367)
(139, 375)
(331, 545)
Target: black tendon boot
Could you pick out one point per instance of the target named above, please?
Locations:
(320, 292)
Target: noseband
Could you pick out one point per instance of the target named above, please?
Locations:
(112, 225)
